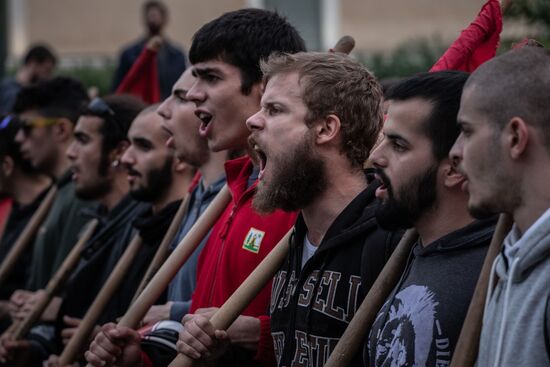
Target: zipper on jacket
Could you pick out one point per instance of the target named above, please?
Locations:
(223, 235)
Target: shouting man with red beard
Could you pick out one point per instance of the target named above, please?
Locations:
(320, 117)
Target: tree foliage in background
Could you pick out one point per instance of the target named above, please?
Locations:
(408, 59)
(92, 76)
(534, 11)
(419, 55)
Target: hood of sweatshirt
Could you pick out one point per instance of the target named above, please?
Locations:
(153, 226)
(527, 250)
(473, 235)
(357, 218)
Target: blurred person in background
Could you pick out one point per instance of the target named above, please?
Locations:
(38, 64)
(170, 58)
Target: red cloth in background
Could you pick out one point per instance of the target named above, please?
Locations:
(142, 80)
(476, 44)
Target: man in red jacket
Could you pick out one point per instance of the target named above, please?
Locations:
(225, 55)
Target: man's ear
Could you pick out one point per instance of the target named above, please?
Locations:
(451, 176)
(180, 166)
(516, 133)
(63, 130)
(8, 166)
(257, 90)
(327, 129)
(117, 153)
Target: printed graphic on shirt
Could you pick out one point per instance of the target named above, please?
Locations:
(312, 350)
(319, 293)
(253, 240)
(408, 337)
(327, 295)
(278, 345)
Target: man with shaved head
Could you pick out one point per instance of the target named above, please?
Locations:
(504, 149)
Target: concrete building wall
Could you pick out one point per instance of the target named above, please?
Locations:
(102, 27)
(384, 24)
(99, 28)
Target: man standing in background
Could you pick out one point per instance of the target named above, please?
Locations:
(38, 64)
(170, 59)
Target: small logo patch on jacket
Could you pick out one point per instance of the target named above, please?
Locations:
(253, 240)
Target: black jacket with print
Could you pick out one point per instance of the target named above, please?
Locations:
(311, 307)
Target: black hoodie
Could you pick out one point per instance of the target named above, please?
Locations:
(311, 307)
(420, 321)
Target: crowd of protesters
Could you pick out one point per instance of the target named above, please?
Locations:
(313, 155)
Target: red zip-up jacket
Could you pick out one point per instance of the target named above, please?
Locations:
(239, 241)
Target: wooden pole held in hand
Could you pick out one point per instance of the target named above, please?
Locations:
(56, 282)
(175, 261)
(247, 291)
(84, 330)
(364, 317)
(27, 235)
(163, 251)
(467, 347)
(344, 45)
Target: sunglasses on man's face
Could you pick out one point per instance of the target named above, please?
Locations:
(100, 108)
(28, 124)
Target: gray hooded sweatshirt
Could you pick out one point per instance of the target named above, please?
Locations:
(516, 325)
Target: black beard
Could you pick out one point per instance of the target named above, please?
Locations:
(482, 211)
(298, 180)
(414, 199)
(158, 181)
(101, 188)
(154, 29)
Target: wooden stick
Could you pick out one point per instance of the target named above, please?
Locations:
(175, 261)
(344, 45)
(55, 283)
(360, 324)
(27, 235)
(84, 330)
(467, 347)
(163, 250)
(247, 291)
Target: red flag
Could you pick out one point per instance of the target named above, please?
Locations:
(477, 43)
(142, 79)
(5, 209)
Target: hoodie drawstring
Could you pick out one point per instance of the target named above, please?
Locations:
(491, 289)
(505, 311)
